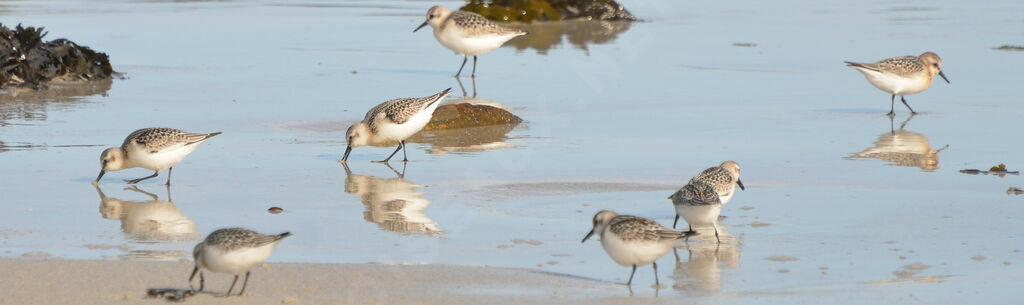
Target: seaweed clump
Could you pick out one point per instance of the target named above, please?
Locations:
(549, 10)
(27, 61)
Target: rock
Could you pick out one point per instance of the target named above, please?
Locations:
(548, 10)
(464, 115)
(27, 61)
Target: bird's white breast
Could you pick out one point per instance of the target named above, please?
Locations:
(896, 84)
(635, 252)
(699, 214)
(235, 261)
(160, 160)
(453, 38)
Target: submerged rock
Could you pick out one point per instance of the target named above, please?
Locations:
(549, 10)
(27, 61)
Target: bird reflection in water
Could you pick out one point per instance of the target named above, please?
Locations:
(701, 269)
(153, 220)
(903, 148)
(394, 204)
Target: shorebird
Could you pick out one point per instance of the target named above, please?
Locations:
(903, 75)
(700, 201)
(634, 241)
(467, 33)
(151, 148)
(232, 251)
(394, 120)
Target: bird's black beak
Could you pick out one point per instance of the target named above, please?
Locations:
(420, 27)
(740, 183)
(588, 236)
(98, 177)
(943, 76)
(347, 150)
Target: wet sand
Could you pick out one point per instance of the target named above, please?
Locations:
(58, 281)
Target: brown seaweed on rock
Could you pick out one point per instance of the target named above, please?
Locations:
(548, 10)
(27, 61)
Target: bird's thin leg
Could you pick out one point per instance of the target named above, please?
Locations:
(392, 154)
(134, 181)
(202, 281)
(169, 176)
(232, 286)
(904, 100)
(716, 232)
(675, 222)
(405, 158)
(461, 87)
(656, 274)
(464, 59)
(474, 68)
(474, 79)
(194, 271)
(630, 282)
(246, 282)
(892, 105)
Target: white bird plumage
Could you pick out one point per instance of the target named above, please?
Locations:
(467, 33)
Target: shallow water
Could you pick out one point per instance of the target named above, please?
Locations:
(616, 117)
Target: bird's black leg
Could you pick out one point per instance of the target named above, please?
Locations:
(169, 176)
(716, 233)
(904, 100)
(892, 105)
(464, 59)
(405, 158)
(134, 181)
(630, 282)
(675, 222)
(392, 154)
(246, 282)
(232, 286)
(194, 271)
(474, 68)
(656, 274)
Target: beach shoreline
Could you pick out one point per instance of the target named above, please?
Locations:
(63, 281)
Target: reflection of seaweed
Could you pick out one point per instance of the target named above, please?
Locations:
(548, 10)
(32, 105)
(25, 60)
(544, 36)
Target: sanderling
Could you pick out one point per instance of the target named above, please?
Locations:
(700, 201)
(232, 251)
(467, 33)
(151, 148)
(902, 75)
(394, 120)
(634, 241)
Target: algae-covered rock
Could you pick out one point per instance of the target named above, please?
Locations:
(465, 127)
(464, 115)
(27, 61)
(548, 10)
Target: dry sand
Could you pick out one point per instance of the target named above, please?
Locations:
(60, 281)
